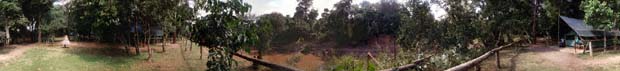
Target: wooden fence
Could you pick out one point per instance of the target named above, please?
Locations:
(267, 64)
(408, 66)
(462, 67)
(475, 62)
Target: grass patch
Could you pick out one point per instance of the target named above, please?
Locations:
(56, 59)
(610, 67)
(600, 54)
(518, 59)
(53, 58)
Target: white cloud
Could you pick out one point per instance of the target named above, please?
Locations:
(438, 12)
(61, 2)
(286, 7)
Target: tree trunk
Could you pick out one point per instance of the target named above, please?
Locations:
(125, 41)
(39, 35)
(535, 12)
(174, 38)
(34, 37)
(605, 42)
(163, 42)
(8, 34)
(261, 50)
(138, 44)
(590, 48)
(185, 43)
(200, 52)
(190, 45)
(148, 42)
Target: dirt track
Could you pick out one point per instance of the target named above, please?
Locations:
(13, 51)
(547, 57)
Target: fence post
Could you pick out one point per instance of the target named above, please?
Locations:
(590, 47)
(478, 68)
(497, 58)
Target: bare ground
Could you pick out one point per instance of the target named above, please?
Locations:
(13, 51)
(540, 57)
(174, 59)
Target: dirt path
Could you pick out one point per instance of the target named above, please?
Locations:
(16, 50)
(562, 60)
(13, 51)
(568, 59)
(605, 61)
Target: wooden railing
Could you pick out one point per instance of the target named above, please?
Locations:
(408, 66)
(273, 66)
(462, 67)
(475, 62)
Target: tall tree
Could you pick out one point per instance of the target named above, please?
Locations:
(418, 26)
(11, 14)
(57, 21)
(302, 10)
(269, 25)
(35, 11)
(599, 15)
(338, 22)
(223, 31)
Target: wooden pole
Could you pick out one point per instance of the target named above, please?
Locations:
(590, 47)
(474, 62)
(478, 68)
(497, 59)
(273, 66)
(200, 52)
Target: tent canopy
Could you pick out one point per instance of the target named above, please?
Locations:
(585, 30)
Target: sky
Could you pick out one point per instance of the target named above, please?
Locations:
(287, 7)
(61, 2)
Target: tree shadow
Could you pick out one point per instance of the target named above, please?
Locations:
(108, 55)
(6, 49)
(514, 58)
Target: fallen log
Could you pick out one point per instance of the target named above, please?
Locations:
(273, 66)
(475, 62)
(408, 66)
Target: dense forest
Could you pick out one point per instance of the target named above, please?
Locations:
(225, 27)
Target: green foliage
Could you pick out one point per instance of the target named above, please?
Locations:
(94, 17)
(302, 14)
(338, 22)
(11, 13)
(469, 28)
(354, 24)
(128, 20)
(35, 11)
(350, 63)
(598, 14)
(269, 25)
(418, 26)
(224, 31)
(58, 21)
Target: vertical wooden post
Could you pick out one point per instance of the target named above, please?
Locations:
(497, 59)
(590, 47)
(478, 68)
(200, 52)
(614, 42)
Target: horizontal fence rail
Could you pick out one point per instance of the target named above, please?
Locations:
(475, 62)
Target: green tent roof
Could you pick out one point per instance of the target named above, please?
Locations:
(585, 30)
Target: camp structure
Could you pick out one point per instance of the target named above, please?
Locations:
(585, 35)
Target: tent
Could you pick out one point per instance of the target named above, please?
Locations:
(586, 33)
